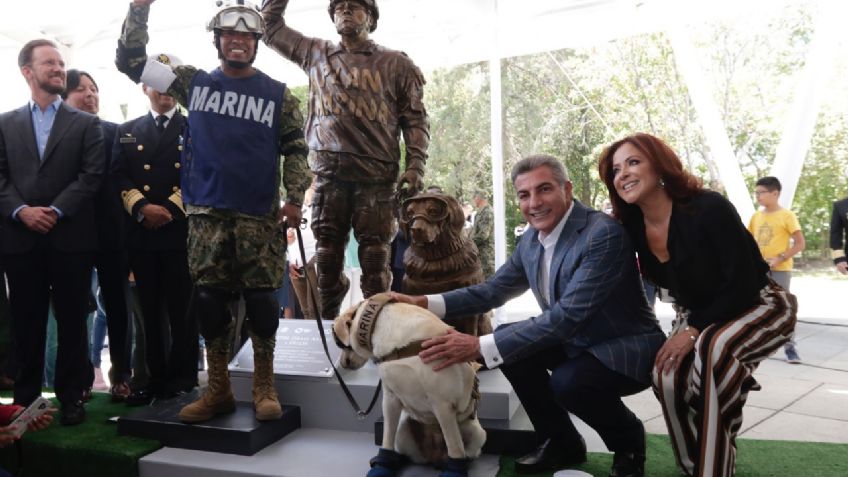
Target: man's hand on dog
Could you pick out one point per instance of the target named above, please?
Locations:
(417, 300)
(449, 349)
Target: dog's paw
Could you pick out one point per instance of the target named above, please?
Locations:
(455, 468)
(450, 473)
(380, 471)
(386, 463)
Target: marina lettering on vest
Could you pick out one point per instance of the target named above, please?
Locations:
(232, 104)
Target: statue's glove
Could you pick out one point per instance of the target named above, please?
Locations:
(413, 179)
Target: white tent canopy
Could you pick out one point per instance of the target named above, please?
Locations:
(435, 33)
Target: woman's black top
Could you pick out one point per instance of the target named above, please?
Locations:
(715, 269)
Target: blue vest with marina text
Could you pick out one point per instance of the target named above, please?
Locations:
(231, 154)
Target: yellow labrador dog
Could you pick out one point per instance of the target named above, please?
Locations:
(414, 396)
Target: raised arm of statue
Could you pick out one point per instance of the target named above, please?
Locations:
(279, 36)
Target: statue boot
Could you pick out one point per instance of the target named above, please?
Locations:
(331, 298)
(217, 398)
(265, 400)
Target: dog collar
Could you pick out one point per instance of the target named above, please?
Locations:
(365, 328)
(412, 349)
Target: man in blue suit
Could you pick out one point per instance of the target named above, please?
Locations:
(594, 341)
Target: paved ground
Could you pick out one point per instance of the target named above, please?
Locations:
(799, 402)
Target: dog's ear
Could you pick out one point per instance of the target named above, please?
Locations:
(343, 323)
(455, 213)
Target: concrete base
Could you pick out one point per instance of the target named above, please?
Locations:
(513, 437)
(323, 404)
(303, 453)
(237, 433)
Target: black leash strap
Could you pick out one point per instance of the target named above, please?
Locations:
(360, 414)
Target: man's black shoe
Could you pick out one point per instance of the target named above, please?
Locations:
(139, 397)
(550, 456)
(73, 413)
(628, 464)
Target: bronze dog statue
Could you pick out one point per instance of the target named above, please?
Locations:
(440, 257)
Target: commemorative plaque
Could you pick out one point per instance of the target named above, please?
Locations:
(298, 351)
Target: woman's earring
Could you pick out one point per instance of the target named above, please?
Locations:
(661, 182)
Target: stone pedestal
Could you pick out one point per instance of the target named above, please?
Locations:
(236, 433)
(323, 404)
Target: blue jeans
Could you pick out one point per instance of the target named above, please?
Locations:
(98, 329)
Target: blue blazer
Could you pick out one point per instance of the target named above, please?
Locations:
(598, 303)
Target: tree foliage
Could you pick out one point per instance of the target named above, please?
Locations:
(571, 103)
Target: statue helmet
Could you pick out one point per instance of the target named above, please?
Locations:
(370, 5)
(237, 15)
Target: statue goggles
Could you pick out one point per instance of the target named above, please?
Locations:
(436, 210)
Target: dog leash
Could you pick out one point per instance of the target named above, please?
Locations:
(360, 414)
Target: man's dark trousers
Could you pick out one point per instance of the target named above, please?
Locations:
(35, 278)
(581, 385)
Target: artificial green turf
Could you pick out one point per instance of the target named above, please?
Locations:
(94, 449)
(754, 459)
(91, 449)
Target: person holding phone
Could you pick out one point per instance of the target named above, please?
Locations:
(8, 414)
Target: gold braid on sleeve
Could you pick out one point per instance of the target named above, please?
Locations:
(130, 198)
(177, 199)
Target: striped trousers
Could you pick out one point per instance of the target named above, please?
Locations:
(702, 401)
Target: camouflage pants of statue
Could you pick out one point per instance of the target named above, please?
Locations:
(337, 207)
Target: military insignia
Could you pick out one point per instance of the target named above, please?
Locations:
(128, 140)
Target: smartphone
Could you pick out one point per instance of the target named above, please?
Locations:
(32, 412)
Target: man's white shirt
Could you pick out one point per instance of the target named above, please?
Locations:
(488, 348)
(169, 114)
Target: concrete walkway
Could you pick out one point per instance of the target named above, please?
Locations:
(798, 402)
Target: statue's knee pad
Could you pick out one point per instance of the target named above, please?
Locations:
(263, 311)
(210, 305)
(329, 260)
(374, 259)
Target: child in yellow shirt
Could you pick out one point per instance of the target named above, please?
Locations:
(772, 227)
